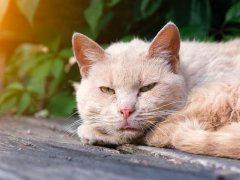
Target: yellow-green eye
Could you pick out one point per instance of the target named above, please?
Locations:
(107, 90)
(148, 87)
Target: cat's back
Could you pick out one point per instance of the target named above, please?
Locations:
(229, 49)
(201, 61)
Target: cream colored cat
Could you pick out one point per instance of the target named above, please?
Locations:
(161, 94)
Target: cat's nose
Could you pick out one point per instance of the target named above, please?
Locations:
(126, 112)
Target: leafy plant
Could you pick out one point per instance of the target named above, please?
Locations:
(96, 18)
(233, 14)
(38, 77)
(34, 80)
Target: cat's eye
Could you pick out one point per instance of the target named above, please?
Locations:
(107, 90)
(147, 87)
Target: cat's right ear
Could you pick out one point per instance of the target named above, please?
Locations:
(86, 51)
(167, 41)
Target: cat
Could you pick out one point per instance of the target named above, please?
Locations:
(163, 93)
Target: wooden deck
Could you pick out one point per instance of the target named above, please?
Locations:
(39, 149)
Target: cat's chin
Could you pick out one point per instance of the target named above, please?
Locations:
(129, 132)
(128, 128)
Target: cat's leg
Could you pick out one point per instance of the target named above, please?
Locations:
(223, 142)
(90, 135)
(209, 124)
(160, 136)
(193, 136)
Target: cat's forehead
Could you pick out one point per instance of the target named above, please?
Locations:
(118, 71)
(127, 58)
(135, 47)
(126, 72)
(127, 65)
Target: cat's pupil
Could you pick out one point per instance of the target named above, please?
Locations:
(148, 87)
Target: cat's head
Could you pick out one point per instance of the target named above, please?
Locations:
(126, 88)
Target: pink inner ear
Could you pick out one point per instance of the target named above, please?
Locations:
(167, 40)
(86, 52)
(84, 70)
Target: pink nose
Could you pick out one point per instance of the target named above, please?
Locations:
(126, 112)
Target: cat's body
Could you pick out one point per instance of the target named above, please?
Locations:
(206, 62)
(129, 89)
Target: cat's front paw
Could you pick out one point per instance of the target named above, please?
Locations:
(156, 138)
(90, 135)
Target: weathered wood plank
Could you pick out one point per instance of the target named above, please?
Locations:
(38, 149)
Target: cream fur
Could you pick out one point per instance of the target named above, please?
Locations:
(202, 99)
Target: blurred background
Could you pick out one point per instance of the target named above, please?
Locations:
(37, 69)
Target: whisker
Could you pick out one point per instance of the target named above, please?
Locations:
(161, 107)
(72, 126)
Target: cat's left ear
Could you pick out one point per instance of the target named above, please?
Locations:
(87, 52)
(167, 43)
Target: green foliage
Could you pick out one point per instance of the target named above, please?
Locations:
(34, 81)
(93, 14)
(233, 14)
(148, 7)
(38, 77)
(198, 20)
(62, 104)
(206, 20)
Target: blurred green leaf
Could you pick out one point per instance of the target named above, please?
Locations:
(5, 96)
(40, 72)
(192, 17)
(15, 86)
(234, 32)
(66, 53)
(50, 38)
(233, 14)
(93, 14)
(32, 62)
(127, 38)
(24, 102)
(62, 104)
(196, 32)
(148, 7)
(28, 8)
(57, 68)
(53, 87)
(3, 8)
(36, 88)
(200, 13)
(57, 72)
(113, 3)
(104, 21)
(8, 105)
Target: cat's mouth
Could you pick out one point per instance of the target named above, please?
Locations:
(128, 128)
